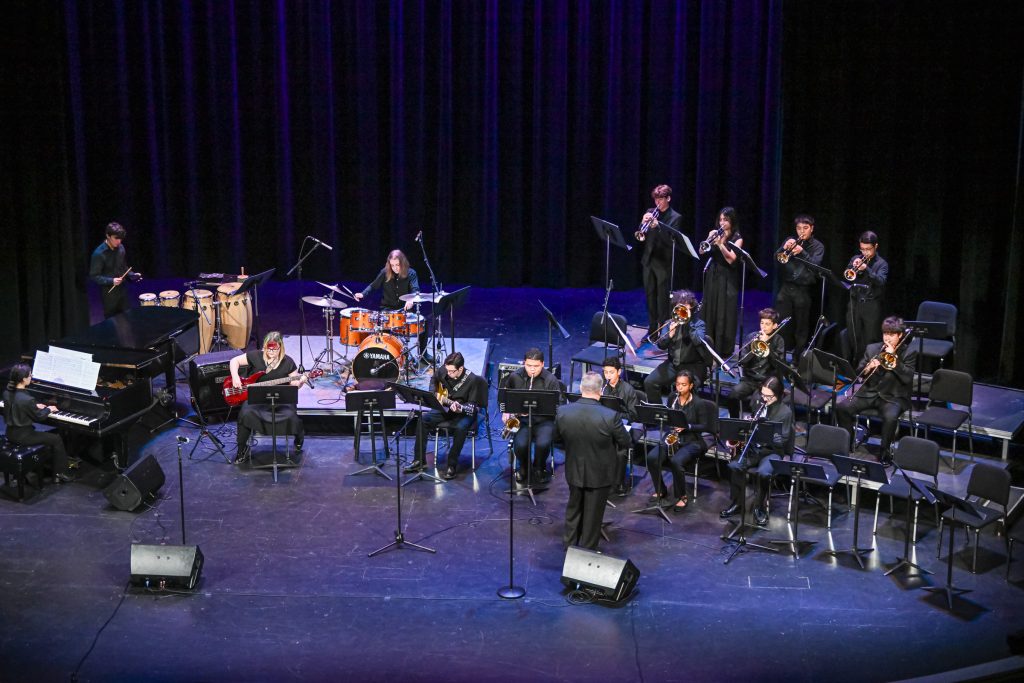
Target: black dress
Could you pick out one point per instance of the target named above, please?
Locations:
(721, 300)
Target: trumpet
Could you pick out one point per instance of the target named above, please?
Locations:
(854, 268)
(512, 425)
(641, 232)
(783, 255)
(705, 246)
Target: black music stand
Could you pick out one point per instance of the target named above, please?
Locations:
(421, 398)
(862, 469)
(539, 403)
(552, 324)
(796, 471)
(370, 402)
(829, 369)
(610, 234)
(663, 416)
(251, 283)
(788, 372)
(274, 396)
(967, 508)
(204, 432)
(823, 274)
(751, 432)
(447, 304)
(918, 488)
(921, 329)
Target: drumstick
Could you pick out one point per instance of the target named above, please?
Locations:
(122, 279)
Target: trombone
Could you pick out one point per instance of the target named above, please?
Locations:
(758, 347)
(705, 246)
(886, 360)
(854, 268)
(680, 314)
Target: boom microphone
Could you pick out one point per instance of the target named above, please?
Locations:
(321, 243)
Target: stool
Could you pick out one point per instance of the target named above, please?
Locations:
(17, 460)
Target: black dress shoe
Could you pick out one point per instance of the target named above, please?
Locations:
(298, 446)
(729, 511)
(415, 466)
(761, 516)
(241, 455)
(450, 472)
(65, 478)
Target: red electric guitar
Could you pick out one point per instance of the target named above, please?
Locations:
(234, 396)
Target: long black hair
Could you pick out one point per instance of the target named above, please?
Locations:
(18, 373)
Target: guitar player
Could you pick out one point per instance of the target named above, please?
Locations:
(275, 364)
(463, 393)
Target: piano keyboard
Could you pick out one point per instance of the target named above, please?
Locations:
(74, 418)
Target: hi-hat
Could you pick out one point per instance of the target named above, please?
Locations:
(323, 302)
(423, 297)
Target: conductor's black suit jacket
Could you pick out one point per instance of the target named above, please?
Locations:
(592, 435)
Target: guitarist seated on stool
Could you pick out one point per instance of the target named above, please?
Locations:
(462, 393)
(270, 364)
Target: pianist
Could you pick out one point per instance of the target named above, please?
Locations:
(275, 364)
(21, 412)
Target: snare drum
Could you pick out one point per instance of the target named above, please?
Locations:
(147, 299)
(379, 351)
(350, 336)
(363, 320)
(235, 314)
(413, 324)
(169, 298)
(392, 320)
(201, 301)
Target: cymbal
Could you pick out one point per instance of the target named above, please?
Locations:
(323, 302)
(423, 297)
(334, 289)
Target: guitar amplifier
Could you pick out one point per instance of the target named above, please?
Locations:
(206, 375)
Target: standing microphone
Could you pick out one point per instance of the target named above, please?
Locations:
(419, 236)
(322, 244)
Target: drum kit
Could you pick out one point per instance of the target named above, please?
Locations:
(225, 317)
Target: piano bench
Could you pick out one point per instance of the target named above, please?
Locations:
(17, 461)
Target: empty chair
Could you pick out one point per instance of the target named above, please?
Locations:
(823, 441)
(988, 483)
(917, 456)
(941, 346)
(949, 387)
(601, 331)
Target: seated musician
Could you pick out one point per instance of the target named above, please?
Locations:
(773, 409)
(534, 377)
(683, 341)
(21, 411)
(689, 443)
(276, 364)
(396, 279)
(886, 390)
(464, 394)
(756, 369)
(615, 385)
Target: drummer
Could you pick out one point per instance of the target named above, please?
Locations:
(394, 280)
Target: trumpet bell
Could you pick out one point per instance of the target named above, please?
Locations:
(782, 257)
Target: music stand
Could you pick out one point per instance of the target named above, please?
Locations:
(447, 304)
(829, 369)
(921, 329)
(610, 233)
(965, 507)
(204, 432)
(747, 260)
(751, 432)
(689, 248)
(825, 275)
(421, 398)
(552, 324)
(663, 416)
(274, 396)
(788, 372)
(539, 403)
(796, 471)
(862, 469)
(371, 402)
(915, 487)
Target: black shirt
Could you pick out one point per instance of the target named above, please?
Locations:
(698, 421)
(20, 409)
(795, 271)
(684, 346)
(106, 264)
(466, 389)
(627, 393)
(758, 369)
(393, 288)
(873, 279)
(658, 243)
(257, 364)
(545, 381)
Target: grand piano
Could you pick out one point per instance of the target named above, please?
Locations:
(132, 348)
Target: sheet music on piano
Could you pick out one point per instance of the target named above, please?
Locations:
(66, 367)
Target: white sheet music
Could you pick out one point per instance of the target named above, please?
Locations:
(66, 367)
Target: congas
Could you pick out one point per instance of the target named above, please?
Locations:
(235, 314)
(381, 353)
(392, 320)
(363, 320)
(414, 324)
(147, 299)
(350, 336)
(201, 301)
(169, 298)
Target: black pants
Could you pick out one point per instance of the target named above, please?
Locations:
(677, 463)
(584, 514)
(115, 302)
(459, 426)
(863, 326)
(28, 436)
(260, 419)
(543, 435)
(794, 301)
(664, 377)
(746, 388)
(847, 411)
(738, 476)
(656, 288)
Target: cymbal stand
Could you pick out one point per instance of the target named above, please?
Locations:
(327, 356)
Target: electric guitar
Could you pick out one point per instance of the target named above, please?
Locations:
(234, 396)
(445, 400)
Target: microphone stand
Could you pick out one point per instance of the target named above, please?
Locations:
(604, 315)
(297, 268)
(434, 320)
(552, 322)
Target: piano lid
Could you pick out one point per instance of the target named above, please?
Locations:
(138, 328)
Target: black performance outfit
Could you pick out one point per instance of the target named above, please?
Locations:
(888, 391)
(757, 370)
(864, 313)
(104, 265)
(692, 444)
(259, 417)
(757, 455)
(592, 435)
(21, 413)
(657, 267)
(543, 426)
(685, 352)
(391, 289)
(721, 299)
(625, 391)
(468, 390)
(794, 297)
